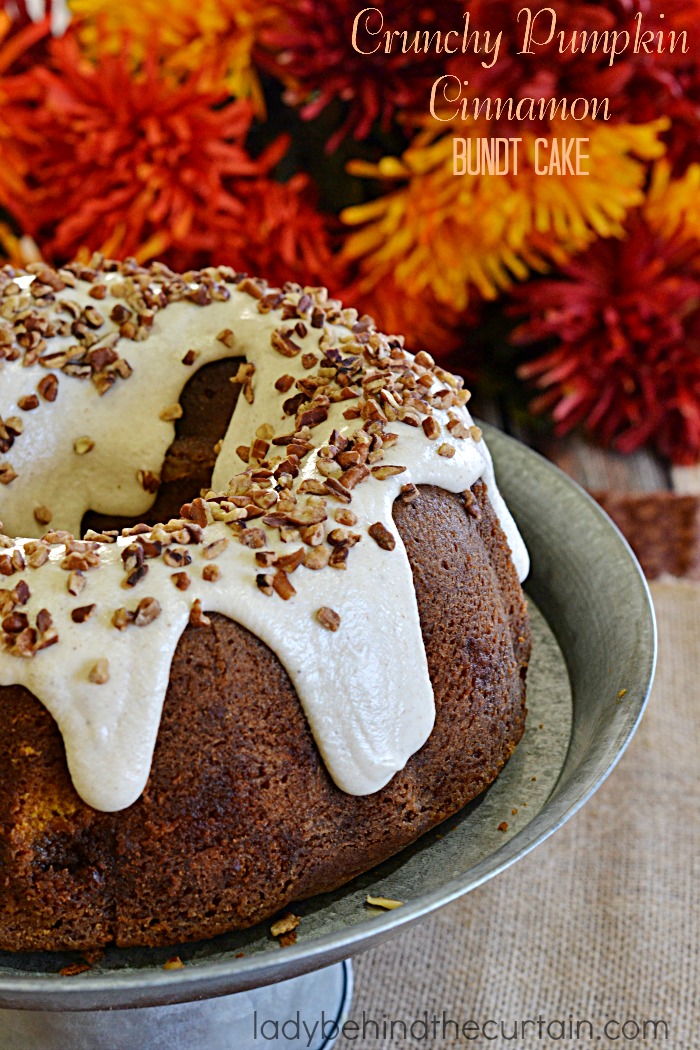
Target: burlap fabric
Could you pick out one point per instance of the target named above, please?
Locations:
(598, 926)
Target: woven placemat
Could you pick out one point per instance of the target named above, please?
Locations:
(598, 926)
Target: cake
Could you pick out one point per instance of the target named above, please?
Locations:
(256, 635)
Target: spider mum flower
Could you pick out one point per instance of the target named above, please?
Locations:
(450, 234)
(214, 38)
(425, 323)
(283, 236)
(17, 250)
(625, 321)
(673, 205)
(665, 81)
(15, 93)
(639, 85)
(310, 48)
(130, 165)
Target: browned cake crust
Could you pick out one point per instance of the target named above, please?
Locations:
(239, 816)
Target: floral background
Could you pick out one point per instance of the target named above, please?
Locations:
(251, 132)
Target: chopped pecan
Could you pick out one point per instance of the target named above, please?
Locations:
(171, 413)
(352, 477)
(345, 517)
(7, 473)
(176, 557)
(147, 611)
(290, 562)
(76, 583)
(196, 511)
(283, 585)
(80, 561)
(214, 549)
(197, 617)
(132, 556)
(337, 489)
(264, 582)
(386, 470)
(227, 337)
(283, 343)
(99, 673)
(136, 575)
(457, 428)
(381, 535)
(48, 387)
(431, 428)
(15, 622)
(312, 535)
(253, 538)
(328, 618)
(148, 480)
(82, 445)
(313, 416)
(338, 557)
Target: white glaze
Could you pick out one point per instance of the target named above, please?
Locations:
(364, 688)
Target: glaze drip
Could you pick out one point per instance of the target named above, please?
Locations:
(336, 421)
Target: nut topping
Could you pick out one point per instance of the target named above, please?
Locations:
(328, 618)
(99, 673)
(82, 445)
(381, 535)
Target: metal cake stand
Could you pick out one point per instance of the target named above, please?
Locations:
(592, 668)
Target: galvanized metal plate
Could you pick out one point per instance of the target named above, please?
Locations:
(593, 662)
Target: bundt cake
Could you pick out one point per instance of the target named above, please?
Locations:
(263, 626)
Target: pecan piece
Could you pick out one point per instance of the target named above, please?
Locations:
(283, 585)
(328, 618)
(381, 535)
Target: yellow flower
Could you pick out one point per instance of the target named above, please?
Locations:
(452, 232)
(673, 205)
(215, 35)
(18, 251)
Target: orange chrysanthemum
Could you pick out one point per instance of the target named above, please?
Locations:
(282, 236)
(13, 96)
(451, 233)
(212, 38)
(425, 323)
(126, 164)
(673, 205)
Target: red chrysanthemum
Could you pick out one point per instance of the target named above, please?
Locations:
(625, 318)
(130, 165)
(15, 45)
(310, 49)
(640, 86)
(24, 39)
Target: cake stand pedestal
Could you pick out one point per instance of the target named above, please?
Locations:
(306, 1011)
